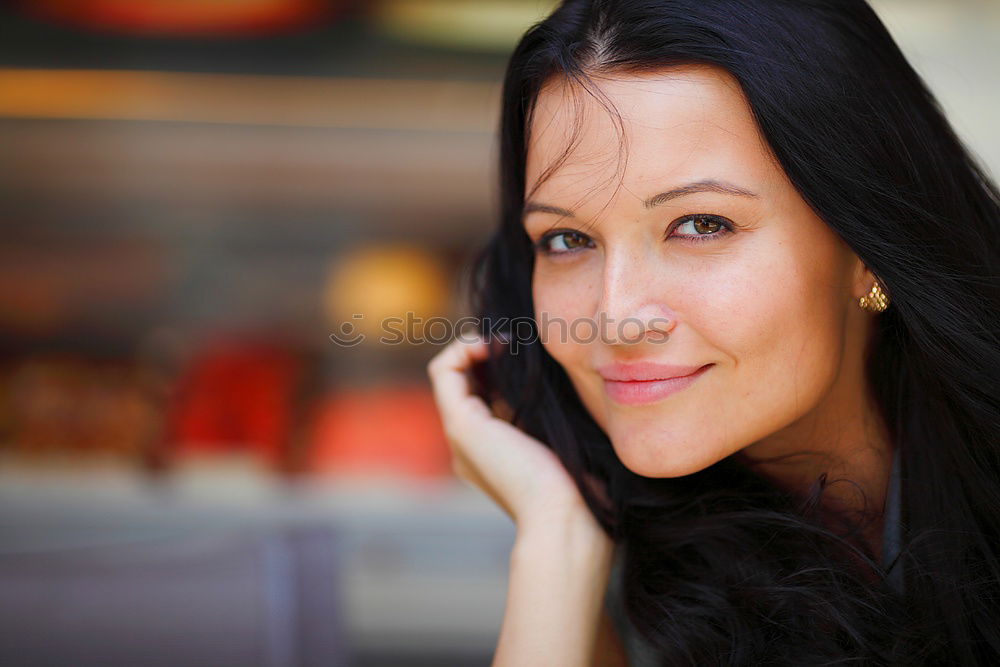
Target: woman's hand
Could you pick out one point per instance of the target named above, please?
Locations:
(562, 558)
(523, 476)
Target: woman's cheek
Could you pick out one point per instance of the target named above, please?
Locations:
(779, 341)
(563, 314)
(724, 302)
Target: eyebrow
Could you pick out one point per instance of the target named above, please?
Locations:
(706, 185)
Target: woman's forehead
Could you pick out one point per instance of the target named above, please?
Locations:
(644, 127)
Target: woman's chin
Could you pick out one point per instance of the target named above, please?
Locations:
(665, 458)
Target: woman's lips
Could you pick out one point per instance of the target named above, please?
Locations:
(635, 392)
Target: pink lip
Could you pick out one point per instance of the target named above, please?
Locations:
(633, 384)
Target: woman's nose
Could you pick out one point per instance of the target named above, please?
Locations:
(633, 304)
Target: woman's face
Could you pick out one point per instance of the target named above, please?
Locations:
(730, 263)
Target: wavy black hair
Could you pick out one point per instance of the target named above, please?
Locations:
(721, 567)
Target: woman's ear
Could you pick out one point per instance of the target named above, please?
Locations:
(862, 279)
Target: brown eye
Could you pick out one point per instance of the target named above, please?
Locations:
(701, 224)
(702, 227)
(560, 242)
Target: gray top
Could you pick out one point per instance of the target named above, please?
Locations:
(891, 530)
(641, 654)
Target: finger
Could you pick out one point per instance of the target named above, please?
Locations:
(450, 383)
(461, 352)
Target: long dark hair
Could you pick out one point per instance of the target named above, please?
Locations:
(720, 566)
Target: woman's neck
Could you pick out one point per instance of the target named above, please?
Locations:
(845, 441)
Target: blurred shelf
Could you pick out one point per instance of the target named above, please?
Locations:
(352, 47)
(396, 157)
(422, 566)
(443, 106)
(335, 133)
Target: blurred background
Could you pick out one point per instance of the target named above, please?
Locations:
(194, 194)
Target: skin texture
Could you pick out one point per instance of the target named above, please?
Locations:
(772, 304)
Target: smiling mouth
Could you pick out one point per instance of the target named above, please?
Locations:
(637, 392)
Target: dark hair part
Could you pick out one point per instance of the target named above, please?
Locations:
(720, 566)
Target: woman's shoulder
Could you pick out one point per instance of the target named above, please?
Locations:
(640, 653)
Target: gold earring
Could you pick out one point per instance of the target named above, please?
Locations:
(876, 300)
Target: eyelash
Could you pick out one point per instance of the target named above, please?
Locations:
(541, 245)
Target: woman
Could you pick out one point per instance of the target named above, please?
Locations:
(762, 201)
